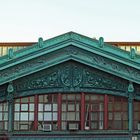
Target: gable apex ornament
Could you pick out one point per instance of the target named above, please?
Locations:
(101, 42)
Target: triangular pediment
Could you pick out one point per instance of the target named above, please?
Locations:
(66, 47)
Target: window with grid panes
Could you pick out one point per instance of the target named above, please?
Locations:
(48, 111)
(70, 116)
(3, 116)
(24, 113)
(117, 113)
(136, 115)
(94, 111)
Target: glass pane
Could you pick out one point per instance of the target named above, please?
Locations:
(16, 125)
(64, 97)
(16, 117)
(94, 107)
(117, 116)
(78, 97)
(125, 124)
(71, 116)
(24, 107)
(101, 106)
(63, 107)
(40, 107)
(87, 97)
(24, 126)
(46, 98)
(64, 116)
(5, 107)
(41, 99)
(55, 116)
(64, 126)
(77, 107)
(5, 116)
(31, 107)
(24, 116)
(136, 115)
(110, 106)
(0, 116)
(71, 97)
(110, 116)
(6, 125)
(77, 116)
(71, 107)
(125, 106)
(125, 116)
(94, 97)
(94, 125)
(0, 107)
(47, 116)
(17, 107)
(117, 106)
(31, 116)
(32, 99)
(48, 107)
(40, 116)
(17, 100)
(24, 100)
(55, 98)
(117, 124)
(94, 116)
(54, 107)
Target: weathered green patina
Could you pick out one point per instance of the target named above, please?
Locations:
(70, 63)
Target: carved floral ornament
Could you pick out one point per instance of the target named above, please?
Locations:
(71, 76)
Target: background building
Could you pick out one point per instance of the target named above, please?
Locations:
(70, 86)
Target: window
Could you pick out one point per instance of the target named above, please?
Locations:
(70, 117)
(117, 113)
(136, 108)
(24, 114)
(3, 116)
(47, 111)
(94, 111)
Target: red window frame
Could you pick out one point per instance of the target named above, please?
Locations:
(117, 113)
(136, 115)
(19, 114)
(4, 116)
(70, 111)
(94, 111)
(49, 103)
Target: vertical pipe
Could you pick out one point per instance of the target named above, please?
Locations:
(10, 115)
(36, 113)
(59, 111)
(130, 113)
(82, 111)
(106, 112)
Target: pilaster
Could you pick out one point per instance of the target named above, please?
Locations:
(10, 99)
(130, 105)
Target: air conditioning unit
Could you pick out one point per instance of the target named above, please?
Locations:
(47, 127)
(73, 126)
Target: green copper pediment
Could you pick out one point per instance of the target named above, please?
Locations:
(66, 47)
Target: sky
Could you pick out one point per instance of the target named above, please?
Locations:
(27, 20)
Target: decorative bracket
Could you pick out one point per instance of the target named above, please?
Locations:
(10, 90)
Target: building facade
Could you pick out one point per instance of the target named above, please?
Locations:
(70, 87)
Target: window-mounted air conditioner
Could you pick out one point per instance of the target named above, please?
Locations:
(73, 126)
(47, 127)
